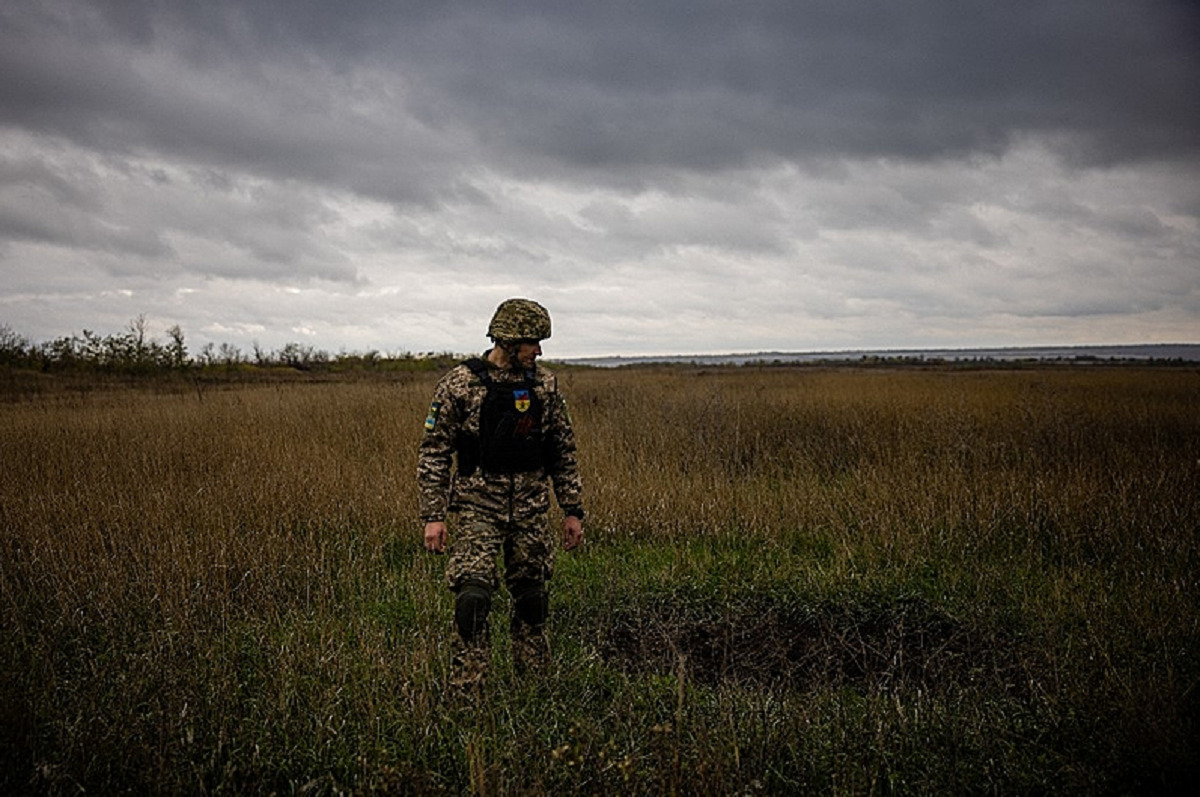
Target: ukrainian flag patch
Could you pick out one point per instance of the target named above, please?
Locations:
(431, 419)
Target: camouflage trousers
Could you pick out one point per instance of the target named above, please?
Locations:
(527, 551)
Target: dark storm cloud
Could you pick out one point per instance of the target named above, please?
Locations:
(854, 172)
(212, 87)
(707, 84)
(390, 97)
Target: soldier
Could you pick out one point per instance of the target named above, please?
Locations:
(503, 422)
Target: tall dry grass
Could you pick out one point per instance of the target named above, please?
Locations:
(842, 580)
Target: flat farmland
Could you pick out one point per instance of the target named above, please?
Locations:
(813, 579)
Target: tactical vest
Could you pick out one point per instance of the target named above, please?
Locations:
(511, 438)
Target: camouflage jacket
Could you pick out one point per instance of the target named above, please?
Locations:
(454, 422)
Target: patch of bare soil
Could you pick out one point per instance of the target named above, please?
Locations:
(907, 643)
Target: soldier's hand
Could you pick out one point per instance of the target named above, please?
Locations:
(435, 536)
(572, 532)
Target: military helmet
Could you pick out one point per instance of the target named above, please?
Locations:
(519, 319)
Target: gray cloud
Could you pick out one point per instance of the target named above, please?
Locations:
(697, 86)
(623, 85)
(793, 174)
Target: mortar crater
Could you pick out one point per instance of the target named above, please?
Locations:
(905, 643)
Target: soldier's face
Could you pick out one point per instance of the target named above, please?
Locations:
(528, 351)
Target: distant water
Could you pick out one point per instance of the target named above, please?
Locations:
(1189, 352)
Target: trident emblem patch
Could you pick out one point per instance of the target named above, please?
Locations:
(521, 400)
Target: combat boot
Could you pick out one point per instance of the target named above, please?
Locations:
(531, 652)
(530, 649)
(469, 665)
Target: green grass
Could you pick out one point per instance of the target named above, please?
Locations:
(815, 580)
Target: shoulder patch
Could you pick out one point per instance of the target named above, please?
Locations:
(431, 419)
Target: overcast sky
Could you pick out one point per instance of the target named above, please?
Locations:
(689, 176)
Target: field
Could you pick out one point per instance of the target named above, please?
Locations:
(846, 581)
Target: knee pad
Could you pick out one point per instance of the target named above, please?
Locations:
(471, 608)
(531, 603)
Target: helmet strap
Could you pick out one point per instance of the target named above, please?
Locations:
(509, 349)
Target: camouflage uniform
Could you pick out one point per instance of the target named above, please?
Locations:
(497, 512)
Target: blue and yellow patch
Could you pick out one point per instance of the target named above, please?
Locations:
(521, 400)
(431, 419)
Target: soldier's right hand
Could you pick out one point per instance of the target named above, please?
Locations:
(435, 536)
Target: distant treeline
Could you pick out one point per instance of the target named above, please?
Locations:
(135, 351)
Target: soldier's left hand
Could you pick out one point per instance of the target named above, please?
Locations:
(572, 532)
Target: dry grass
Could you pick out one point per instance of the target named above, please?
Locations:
(837, 580)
